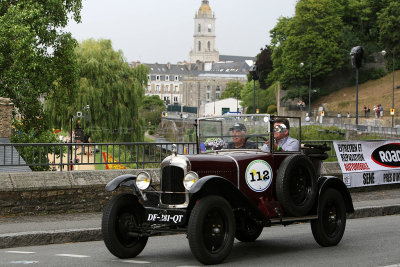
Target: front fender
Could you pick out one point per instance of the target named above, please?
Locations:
(326, 182)
(217, 185)
(121, 180)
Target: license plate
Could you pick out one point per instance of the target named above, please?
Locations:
(162, 216)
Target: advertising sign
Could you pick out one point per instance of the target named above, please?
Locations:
(367, 163)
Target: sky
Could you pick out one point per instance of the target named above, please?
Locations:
(162, 31)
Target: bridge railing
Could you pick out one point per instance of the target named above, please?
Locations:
(70, 156)
(67, 156)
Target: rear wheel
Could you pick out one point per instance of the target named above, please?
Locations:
(329, 228)
(248, 231)
(121, 221)
(211, 230)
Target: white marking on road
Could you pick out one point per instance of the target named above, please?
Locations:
(132, 261)
(20, 252)
(394, 265)
(24, 262)
(73, 255)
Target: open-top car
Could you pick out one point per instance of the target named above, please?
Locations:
(241, 180)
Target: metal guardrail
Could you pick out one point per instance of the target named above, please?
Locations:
(64, 156)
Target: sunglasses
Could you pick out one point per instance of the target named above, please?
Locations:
(280, 128)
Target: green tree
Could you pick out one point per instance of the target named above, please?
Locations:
(233, 89)
(111, 88)
(35, 53)
(264, 65)
(389, 29)
(263, 98)
(151, 109)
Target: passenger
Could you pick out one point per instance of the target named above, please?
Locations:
(283, 142)
(239, 138)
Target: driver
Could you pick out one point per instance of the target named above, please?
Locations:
(282, 140)
(239, 138)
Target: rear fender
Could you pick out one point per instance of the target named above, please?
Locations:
(326, 182)
(217, 185)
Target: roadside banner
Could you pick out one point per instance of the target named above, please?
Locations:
(367, 163)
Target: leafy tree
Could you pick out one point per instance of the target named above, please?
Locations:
(389, 29)
(312, 39)
(35, 54)
(264, 64)
(263, 98)
(233, 89)
(151, 109)
(111, 88)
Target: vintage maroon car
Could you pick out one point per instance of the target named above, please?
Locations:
(223, 193)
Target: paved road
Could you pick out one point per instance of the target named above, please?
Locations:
(370, 241)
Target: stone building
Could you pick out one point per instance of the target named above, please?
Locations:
(204, 35)
(204, 78)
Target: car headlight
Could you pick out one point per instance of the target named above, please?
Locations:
(143, 180)
(190, 179)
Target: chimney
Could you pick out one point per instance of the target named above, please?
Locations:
(169, 65)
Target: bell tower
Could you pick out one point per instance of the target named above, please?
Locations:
(204, 35)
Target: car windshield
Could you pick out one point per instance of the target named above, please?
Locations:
(239, 131)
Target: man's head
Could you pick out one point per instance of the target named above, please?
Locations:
(238, 134)
(281, 128)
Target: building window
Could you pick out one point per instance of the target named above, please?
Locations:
(176, 89)
(209, 27)
(148, 87)
(199, 28)
(175, 99)
(157, 77)
(167, 88)
(177, 78)
(157, 88)
(148, 77)
(208, 45)
(217, 92)
(167, 77)
(199, 46)
(208, 96)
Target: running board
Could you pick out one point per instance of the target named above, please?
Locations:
(284, 220)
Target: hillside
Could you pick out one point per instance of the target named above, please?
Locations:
(370, 94)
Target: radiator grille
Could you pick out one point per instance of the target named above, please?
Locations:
(172, 181)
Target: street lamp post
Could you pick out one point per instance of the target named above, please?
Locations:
(254, 74)
(384, 53)
(309, 88)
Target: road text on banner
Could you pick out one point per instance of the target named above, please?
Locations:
(367, 163)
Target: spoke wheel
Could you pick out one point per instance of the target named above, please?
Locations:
(120, 226)
(211, 230)
(329, 228)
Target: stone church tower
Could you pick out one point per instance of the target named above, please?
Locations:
(204, 35)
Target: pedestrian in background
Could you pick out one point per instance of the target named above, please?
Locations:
(381, 110)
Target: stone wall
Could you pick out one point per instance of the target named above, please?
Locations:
(68, 192)
(6, 107)
(58, 192)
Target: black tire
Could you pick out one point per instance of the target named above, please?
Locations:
(296, 185)
(249, 231)
(123, 215)
(329, 228)
(211, 230)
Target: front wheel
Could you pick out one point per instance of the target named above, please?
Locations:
(211, 230)
(329, 228)
(120, 225)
